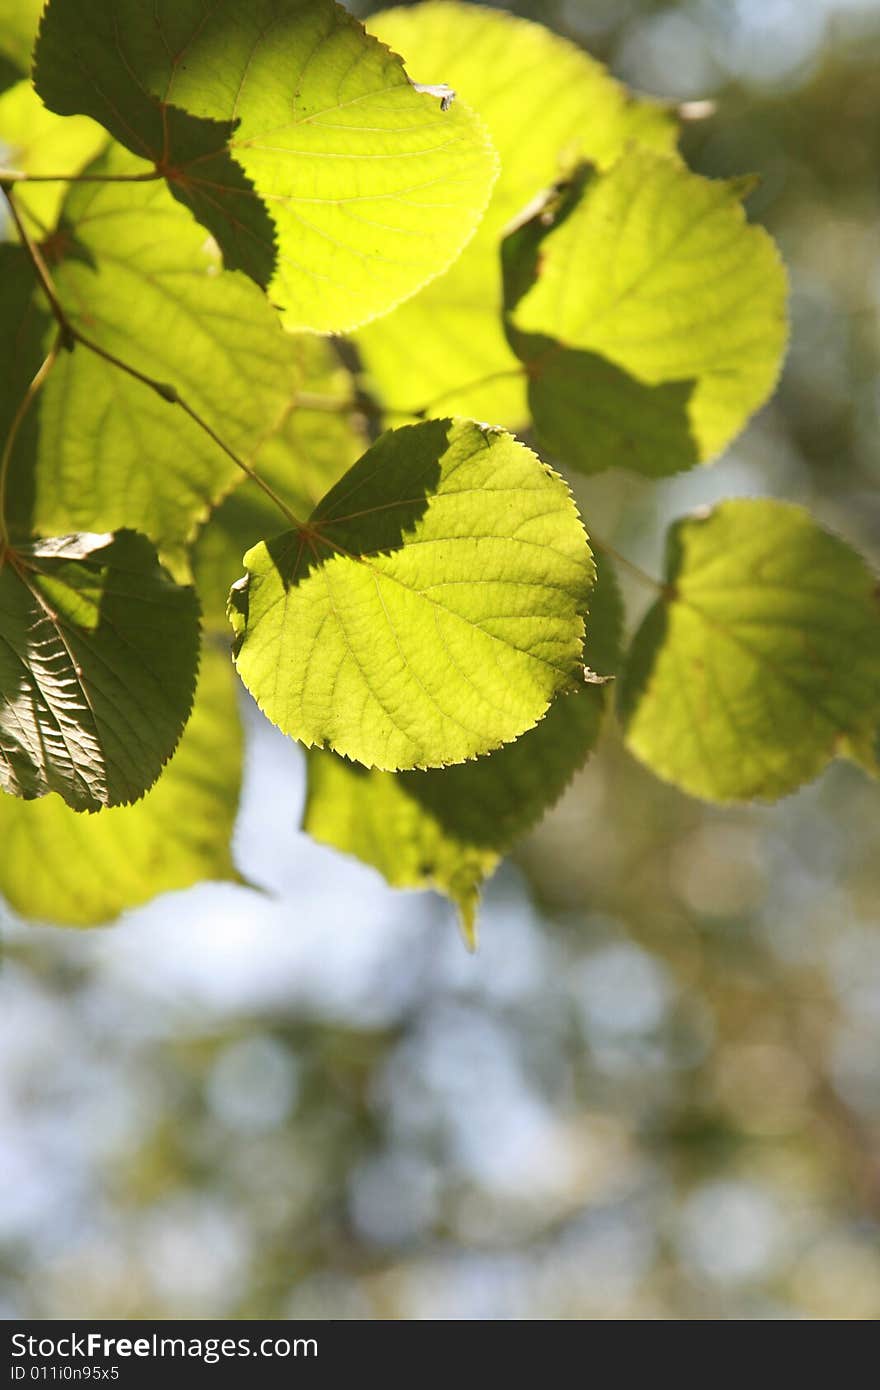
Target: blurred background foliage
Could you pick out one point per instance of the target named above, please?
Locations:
(655, 1092)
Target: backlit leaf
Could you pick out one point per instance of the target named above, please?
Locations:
(18, 29)
(373, 816)
(448, 828)
(318, 440)
(547, 105)
(140, 279)
(762, 659)
(296, 138)
(430, 610)
(34, 141)
(675, 306)
(83, 870)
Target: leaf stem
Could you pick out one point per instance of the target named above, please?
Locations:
(504, 374)
(244, 466)
(635, 570)
(349, 405)
(172, 396)
(19, 176)
(364, 405)
(23, 407)
(41, 270)
(69, 335)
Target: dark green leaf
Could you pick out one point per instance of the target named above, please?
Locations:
(98, 657)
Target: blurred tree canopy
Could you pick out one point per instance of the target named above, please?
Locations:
(654, 1093)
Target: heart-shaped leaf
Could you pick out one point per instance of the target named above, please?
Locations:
(762, 658)
(656, 317)
(447, 828)
(429, 611)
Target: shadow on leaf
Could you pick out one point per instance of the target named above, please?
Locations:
(373, 509)
(202, 174)
(594, 415)
(640, 660)
(589, 412)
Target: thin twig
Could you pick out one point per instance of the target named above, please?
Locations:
(23, 407)
(172, 396)
(349, 405)
(362, 404)
(19, 176)
(41, 270)
(162, 388)
(69, 335)
(245, 467)
(642, 575)
(505, 374)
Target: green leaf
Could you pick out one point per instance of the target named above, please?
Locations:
(297, 139)
(18, 29)
(318, 440)
(97, 668)
(372, 816)
(447, 828)
(863, 750)
(490, 802)
(761, 660)
(547, 105)
(34, 141)
(430, 610)
(654, 275)
(137, 276)
(77, 870)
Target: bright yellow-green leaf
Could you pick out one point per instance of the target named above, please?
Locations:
(548, 105)
(98, 657)
(34, 141)
(77, 870)
(431, 608)
(296, 138)
(18, 29)
(761, 660)
(447, 828)
(656, 271)
(138, 276)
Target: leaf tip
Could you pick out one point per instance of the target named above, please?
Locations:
(467, 921)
